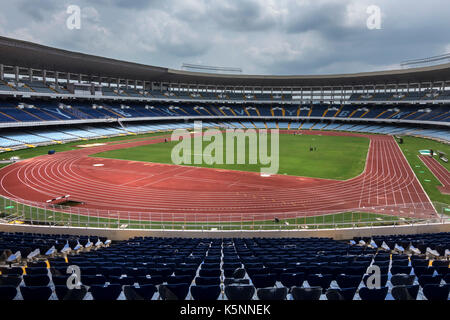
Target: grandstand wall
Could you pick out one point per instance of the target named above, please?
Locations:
(337, 234)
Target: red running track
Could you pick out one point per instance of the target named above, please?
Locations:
(439, 171)
(151, 191)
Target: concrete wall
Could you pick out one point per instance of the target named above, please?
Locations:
(338, 234)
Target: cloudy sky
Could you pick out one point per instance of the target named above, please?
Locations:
(259, 36)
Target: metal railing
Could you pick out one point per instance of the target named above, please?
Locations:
(35, 213)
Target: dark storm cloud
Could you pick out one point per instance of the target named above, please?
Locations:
(261, 36)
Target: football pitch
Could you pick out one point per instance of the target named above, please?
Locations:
(315, 156)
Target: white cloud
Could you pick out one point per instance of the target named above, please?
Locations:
(159, 31)
(281, 50)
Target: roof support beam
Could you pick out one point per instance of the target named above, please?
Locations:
(56, 80)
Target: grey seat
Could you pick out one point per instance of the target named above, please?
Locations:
(7, 292)
(144, 292)
(403, 279)
(176, 291)
(228, 281)
(10, 280)
(373, 294)
(312, 293)
(272, 293)
(239, 292)
(64, 293)
(239, 273)
(405, 292)
(341, 294)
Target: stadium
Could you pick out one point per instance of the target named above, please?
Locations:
(87, 180)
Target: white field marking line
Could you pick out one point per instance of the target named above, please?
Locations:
(226, 183)
(418, 181)
(162, 179)
(402, 171)
(400, 183)
(239, 183)
(29, 182)
(380, 153)
(403, 198)
(365, 176)
(369, 173)
(136, 180)
(187, 169)
(380, 183)
(11, 172)
(106, 169)
(373, 174)
(74, 183)
(154, 182)
(29, 175)
(418, 194)
(391, 164)
(387, 167)
(382, 179)
(411, 181)
(439, 175)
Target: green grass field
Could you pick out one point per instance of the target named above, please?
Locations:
(410, 148)
(337, 158)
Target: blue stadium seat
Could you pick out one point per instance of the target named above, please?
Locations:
(436, 292)
(177, 291)
(143, 292)
(239, 292)
(36, 280)
(405, 292)
(64, 293)
(341, 294)
(7, 292)
(311, 293)
(402, 279)
(272, 293)
(36, 293)
(373, 294)
(102, 293)
(205, 292)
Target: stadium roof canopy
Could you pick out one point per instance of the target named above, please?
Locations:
(30, 55)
